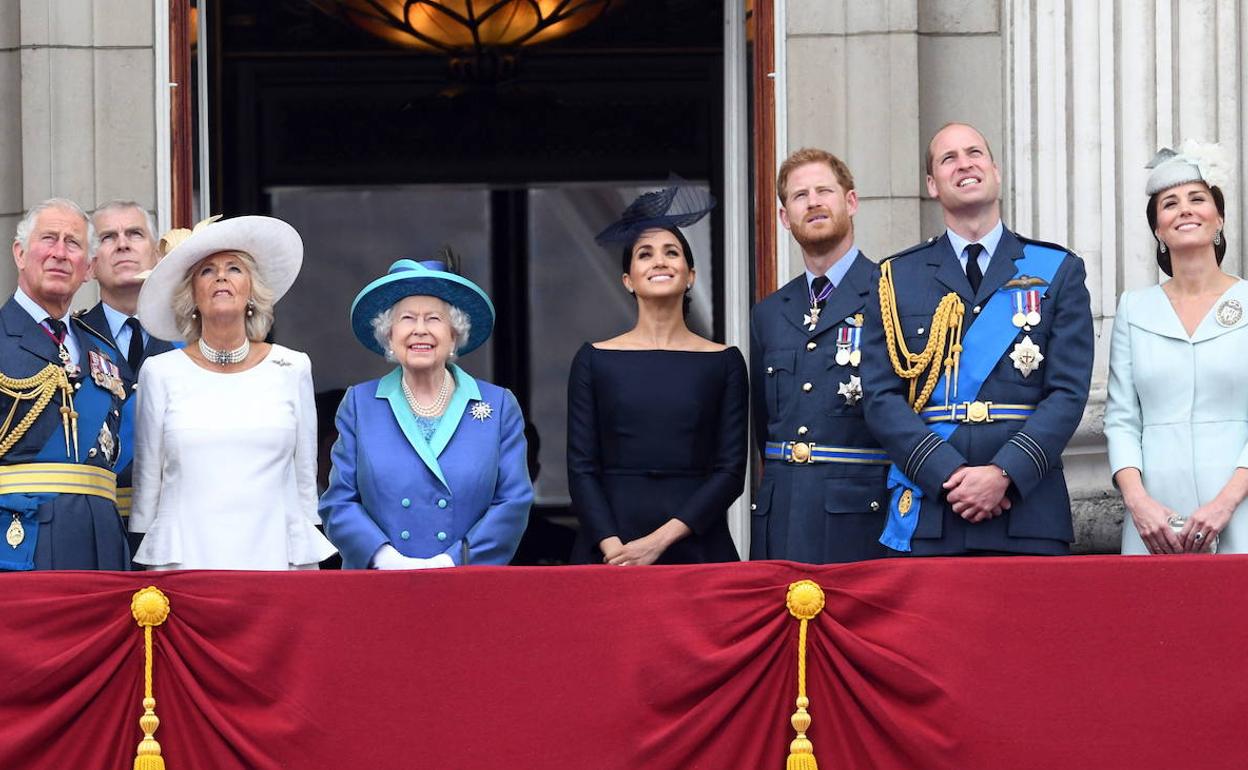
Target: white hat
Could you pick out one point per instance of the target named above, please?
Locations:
(274, 245)
(1194, 162)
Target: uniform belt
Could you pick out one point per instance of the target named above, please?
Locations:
(125, 496)
(58, 478)
(803, 452)
(975, 412)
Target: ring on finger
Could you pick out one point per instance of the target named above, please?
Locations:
(1199, 536)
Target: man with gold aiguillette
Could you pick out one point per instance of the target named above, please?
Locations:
(977, 359)
(60, 401)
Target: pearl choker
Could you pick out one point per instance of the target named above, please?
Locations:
(225, 357)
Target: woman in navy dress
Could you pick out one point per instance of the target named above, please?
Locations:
(656, 416)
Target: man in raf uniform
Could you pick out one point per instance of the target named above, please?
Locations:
(61, 388)
(978, 359)
(823, 491)
(126, 250)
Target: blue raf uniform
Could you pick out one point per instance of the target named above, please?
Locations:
(57, 486)
(823, 492)
(1013, 400)
(463, 492)
(112, 325)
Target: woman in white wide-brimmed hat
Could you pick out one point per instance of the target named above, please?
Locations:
(225, 432)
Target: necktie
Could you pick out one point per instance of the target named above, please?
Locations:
(819, 291)
(135, 356)
(58, 329)
(973, 273)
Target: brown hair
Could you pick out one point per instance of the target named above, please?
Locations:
(811, 155)
(1163, 257)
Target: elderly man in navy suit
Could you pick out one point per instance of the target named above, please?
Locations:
(126, 251)
(823, 491)
(977, 359)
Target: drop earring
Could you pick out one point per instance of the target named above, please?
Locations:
(1217, 237)
(1161, 246)
(251, 308)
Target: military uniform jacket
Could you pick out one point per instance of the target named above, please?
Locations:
(1039, 520)
(823, 512)
(74, 531)
(96, 319)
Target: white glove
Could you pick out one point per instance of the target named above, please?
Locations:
(388, 557)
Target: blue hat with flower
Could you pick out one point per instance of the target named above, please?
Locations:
(430, 278)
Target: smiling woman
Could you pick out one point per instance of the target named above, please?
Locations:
(429, 469)
(656, 416)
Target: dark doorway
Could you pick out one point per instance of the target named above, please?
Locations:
(374, 151)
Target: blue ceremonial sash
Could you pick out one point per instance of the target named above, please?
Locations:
(92, 404)
(982, 347)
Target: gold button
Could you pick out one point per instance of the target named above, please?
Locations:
(753, 506)
(975, 310)
(875, 506)
(77, 386)
(920, 330)
(771, 370)
(92, 452)
(135, 386)
(811, 345)
(806, 386)
(801, 431)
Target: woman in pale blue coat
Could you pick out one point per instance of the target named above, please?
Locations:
(1177, 418)
(429, 469)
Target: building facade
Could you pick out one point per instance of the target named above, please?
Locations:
(1074, 97)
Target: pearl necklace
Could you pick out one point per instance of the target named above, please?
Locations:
(439, 404)
(225, 357)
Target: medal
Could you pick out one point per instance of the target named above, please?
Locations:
(106, 374)
(1229, 312)
(16, 532)
(1033, 307)
(106, 442)
(811, 319)
(852, 390)
(843, 342)
(1026, 356)
(1020, 309)
(855, 354)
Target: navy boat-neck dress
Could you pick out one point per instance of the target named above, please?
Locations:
(655, 435)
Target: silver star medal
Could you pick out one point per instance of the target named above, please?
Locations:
(481, 411)
(811, 319)
(106, 442)
(852, 390)
(1026, 356)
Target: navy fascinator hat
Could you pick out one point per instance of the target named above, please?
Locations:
(680, 204)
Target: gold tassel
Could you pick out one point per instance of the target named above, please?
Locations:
(805, 601)
(150, 607)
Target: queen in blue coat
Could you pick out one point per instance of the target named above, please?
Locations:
(429, 469)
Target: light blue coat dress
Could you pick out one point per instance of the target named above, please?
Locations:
(465, 492)
(1178, 406)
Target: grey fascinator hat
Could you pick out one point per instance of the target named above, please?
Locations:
(1193, 162)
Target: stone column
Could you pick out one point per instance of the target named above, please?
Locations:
(1093, 89)
(79, 120)
(853, 89)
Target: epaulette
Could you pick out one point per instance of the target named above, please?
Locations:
(912, 249)
(1039, 242)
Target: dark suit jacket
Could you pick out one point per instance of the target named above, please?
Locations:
(817, 513)
(1030, 451)
(96, 319)
(75, 531)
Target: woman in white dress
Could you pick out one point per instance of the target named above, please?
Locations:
(1177, 418)
(225, 430)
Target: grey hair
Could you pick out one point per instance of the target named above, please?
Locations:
(383, 324)
(256, 325)
(27, 225)
(119, 204)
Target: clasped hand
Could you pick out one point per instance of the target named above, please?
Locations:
(977, 492)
